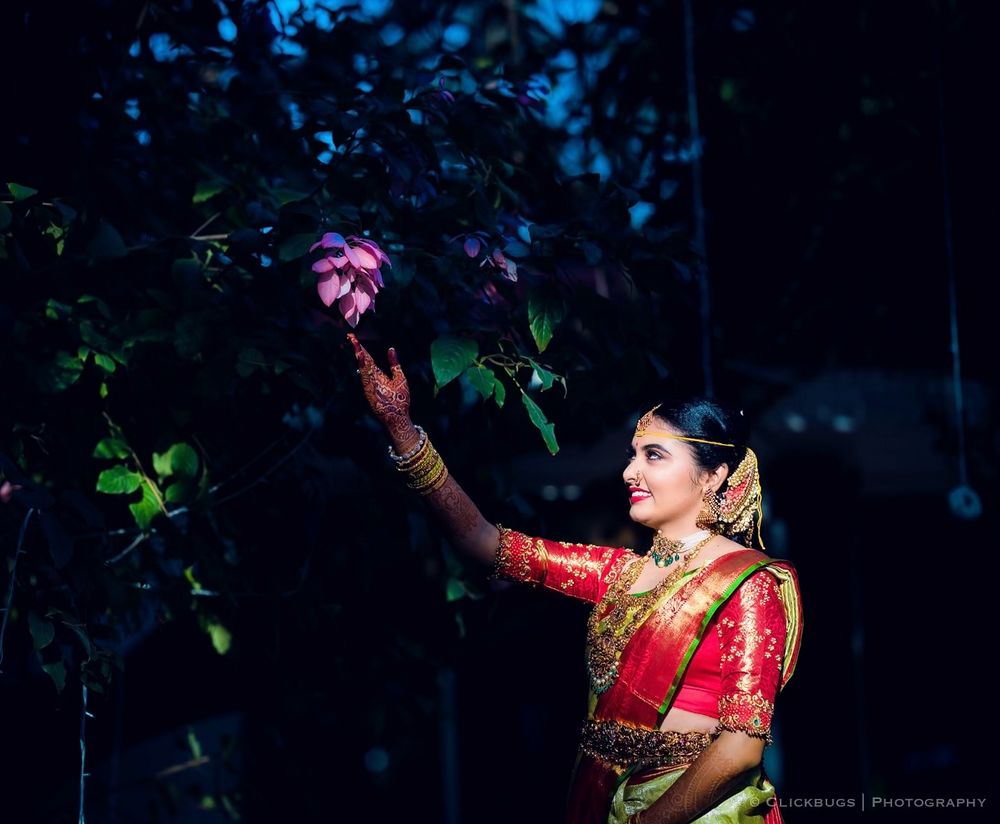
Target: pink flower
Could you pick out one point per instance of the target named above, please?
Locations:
(350, 273)
(7, 490)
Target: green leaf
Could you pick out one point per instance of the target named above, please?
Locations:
(80, 633)
(179, 492)
(400, 274)
(544, 375)
(450, 357)
(111, 448)
(482, 380)
(538, 418)
(189, 268)
(147, 508)
(54, 310)
(6, 216)
(207, 189)
(285, 195)
(119, 480)
(106, 242)
(63, 372)
(21, 192)
(499, 392)
(222, 638)
(180, 460)
(250, 359)
(106, 362)
(194, 743)
(544, 313)
(295, 246)
(57, 671)
(455, 589)
(102, 307)
(42, 631)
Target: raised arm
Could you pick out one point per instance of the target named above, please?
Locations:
(389, 398)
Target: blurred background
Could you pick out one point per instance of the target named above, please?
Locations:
(217, 589)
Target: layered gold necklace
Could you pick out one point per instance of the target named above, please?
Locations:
(616, 618)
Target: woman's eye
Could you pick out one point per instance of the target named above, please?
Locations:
(651, 455)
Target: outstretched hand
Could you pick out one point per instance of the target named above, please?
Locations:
(388, 394)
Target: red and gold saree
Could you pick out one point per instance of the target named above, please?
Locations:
(746, 599)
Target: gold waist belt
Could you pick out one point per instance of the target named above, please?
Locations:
(621, 746)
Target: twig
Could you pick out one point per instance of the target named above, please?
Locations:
(203, 225)
(83, 748)
(187, 765)
(264, 476)
(13, 577)
(138, 540)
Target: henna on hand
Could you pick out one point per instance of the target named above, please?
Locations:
(387, 395)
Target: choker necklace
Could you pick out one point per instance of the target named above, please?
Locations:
(666, 551)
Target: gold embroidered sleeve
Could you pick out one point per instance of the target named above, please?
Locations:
(584, 571)
(752, 631)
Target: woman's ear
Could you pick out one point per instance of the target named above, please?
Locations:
(716, 478)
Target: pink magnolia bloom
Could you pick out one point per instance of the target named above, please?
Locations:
(349, 273)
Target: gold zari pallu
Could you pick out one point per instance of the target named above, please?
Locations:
(623, 746)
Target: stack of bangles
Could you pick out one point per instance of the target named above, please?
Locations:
(423, 466)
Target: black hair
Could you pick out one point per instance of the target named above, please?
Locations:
(707, 419)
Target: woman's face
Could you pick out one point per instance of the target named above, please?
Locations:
(666, 487)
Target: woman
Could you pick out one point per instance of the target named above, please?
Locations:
(688, 644)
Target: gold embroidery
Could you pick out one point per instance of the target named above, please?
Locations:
(619, 614)
(616, 568)
(622, 745)
(518, 558)
(577, 566)
(743, 712)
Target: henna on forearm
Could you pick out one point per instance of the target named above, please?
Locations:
(712, 776)
(465, 524)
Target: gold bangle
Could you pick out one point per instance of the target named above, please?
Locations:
(438, 482)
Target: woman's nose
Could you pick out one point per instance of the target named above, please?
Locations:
(629, 475)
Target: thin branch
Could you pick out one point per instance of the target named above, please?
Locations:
(13, 577)
(268, 472)
(187, 765)
(83, 749)
(138, 540)
(205, 224)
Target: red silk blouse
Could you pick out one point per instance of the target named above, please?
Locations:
(735, 672)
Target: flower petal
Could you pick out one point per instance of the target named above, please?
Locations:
(352, 256)
(366, 285)
(375, 249)
(472, 246)
(331, 240)
(348, 309)
(329, 287)
(362, 300)
(323, 265)
(368, 260)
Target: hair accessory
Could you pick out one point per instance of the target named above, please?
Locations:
(642, 428)
(743, 500)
